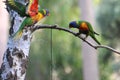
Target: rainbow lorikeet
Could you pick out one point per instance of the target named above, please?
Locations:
(28, 21)
(84, 28)
(32, 13)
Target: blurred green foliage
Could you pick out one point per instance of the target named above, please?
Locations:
(108, 18)
(61, 51)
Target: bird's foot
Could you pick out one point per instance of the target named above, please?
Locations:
(85, 38)
(77, 34)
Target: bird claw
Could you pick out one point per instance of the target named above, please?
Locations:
(84, 38)
(77, 34)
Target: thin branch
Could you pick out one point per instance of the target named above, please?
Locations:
(107, 47)
(69, 31)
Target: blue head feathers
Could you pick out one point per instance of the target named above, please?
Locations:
(73, 24)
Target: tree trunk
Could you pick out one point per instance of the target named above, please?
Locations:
(3, 29)
(90, 61)
(16, 55)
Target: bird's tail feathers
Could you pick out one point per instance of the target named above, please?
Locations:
(96, 33)
(96, 39)
(18, 35)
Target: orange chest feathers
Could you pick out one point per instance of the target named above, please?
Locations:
(37, 17)
(83, 27)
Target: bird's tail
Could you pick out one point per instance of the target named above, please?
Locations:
(17, 35)
(96, 39)
(96, 33)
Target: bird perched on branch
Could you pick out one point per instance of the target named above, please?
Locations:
(31, 11)
(84, 28)
(28, 21)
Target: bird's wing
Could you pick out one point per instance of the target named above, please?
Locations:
(91, 29)
(92, 33)
(32, 8)
(16, 6)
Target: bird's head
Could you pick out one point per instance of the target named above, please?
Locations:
(73, 24)
(44, 12)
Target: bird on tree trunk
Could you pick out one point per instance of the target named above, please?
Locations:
(32, 13)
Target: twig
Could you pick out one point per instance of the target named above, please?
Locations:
(69, 31)
(107, 47)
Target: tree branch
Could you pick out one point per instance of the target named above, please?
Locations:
(71, 32)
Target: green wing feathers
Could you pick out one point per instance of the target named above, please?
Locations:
(93, 36)
(91, 29)
(92, 33)
(16, 6)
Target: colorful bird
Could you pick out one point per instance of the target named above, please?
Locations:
(28, 21)
(32, 13)
(84, 28)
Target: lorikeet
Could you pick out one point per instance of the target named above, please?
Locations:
(31, 20)
(32, 13)
(84, 28)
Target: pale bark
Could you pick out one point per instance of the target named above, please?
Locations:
(16, 55)
(90, 61)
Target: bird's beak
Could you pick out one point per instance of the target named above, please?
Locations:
(70, 26)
